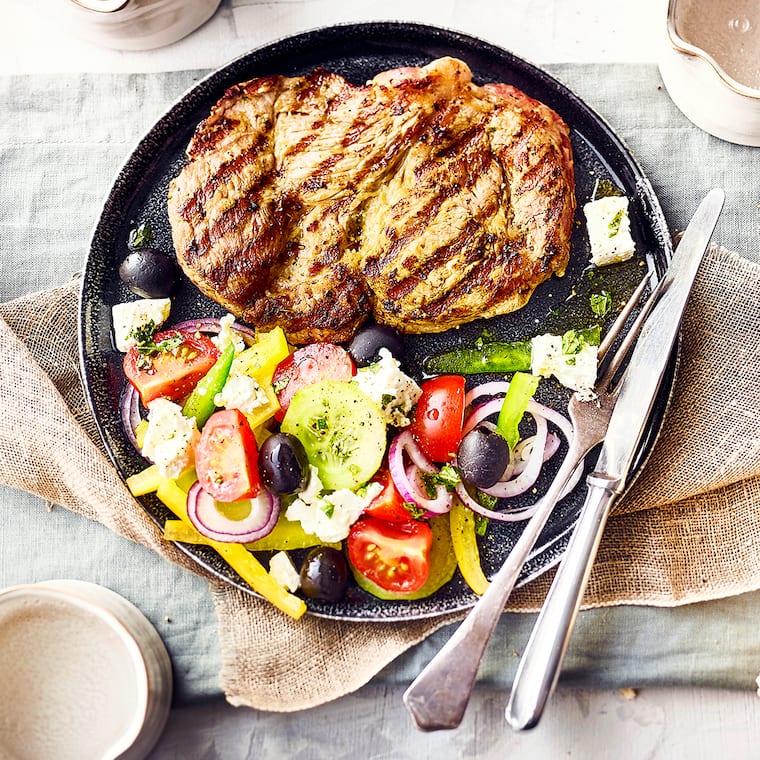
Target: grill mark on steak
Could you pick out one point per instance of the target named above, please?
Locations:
(418, 197)
(194, 205)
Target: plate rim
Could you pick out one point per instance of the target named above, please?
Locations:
(194, 96)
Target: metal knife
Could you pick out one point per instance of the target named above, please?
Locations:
(542, 659)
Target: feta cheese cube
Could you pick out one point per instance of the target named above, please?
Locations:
(609, 230)
(329, 515)
(283, 571)
(575, 370)
(390, 388)
(170, 438)
(241, 392)
(132, 315)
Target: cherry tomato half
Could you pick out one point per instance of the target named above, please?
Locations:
(388, 504)
(173, 372)
(439, 416)
(226, 457)
(308, 365)
(395, 556)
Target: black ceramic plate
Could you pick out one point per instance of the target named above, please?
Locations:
(358, 52)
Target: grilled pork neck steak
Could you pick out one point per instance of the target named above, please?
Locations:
(419, 198)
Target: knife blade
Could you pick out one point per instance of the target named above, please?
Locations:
(650, 356)
(540, 665)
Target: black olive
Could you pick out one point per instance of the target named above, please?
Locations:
(283, 464)
(149, 273)
(366, 345)
(482, 457)
(324, 574)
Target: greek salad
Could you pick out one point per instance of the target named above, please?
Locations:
(257, 446)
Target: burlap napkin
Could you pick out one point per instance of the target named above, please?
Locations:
(689, 530)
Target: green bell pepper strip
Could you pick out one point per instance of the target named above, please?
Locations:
(201, 404)
(521, 390)
(490, 357)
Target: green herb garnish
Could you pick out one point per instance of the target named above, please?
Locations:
(144, 337)
(481, 522)
(601, 303)
(415, 512)
(614, 224)
(141, 236)
(447, 476)
(572, 342)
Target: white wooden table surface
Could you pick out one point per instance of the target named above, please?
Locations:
(656, 723)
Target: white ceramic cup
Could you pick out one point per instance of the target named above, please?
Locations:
(83, 674)
(135, 24)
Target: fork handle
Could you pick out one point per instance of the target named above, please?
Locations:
(438, 697)
(541, 662)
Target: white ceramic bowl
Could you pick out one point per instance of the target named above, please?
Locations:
(715, 101)
(83, 674)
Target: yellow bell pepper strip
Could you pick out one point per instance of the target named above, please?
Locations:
(287, 535)
(178, 530)
(200, 404)
(140, 430)
(237, 557)
(521, 389)
(145, 481)
(261, 359)
(464, 541)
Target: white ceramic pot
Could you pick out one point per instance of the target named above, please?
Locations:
(135, 24)
(702, 40)
(84, 674)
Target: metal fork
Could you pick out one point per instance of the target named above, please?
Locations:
(438, 697)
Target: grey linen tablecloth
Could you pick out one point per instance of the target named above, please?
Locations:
(62, 138)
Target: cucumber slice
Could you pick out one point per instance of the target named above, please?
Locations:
(342, 431)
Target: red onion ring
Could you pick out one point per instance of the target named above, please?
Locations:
(210, 522)
(529, 475)
(407, 481)
(505, 516)
(550, 449)
(129, 409)
(212, 325)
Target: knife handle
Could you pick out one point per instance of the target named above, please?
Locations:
(542, 659)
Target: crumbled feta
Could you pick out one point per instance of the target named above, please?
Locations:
(241, 392)
(329, 515)
(390, 388)
(284, 572)
(575, 370)
(132, 315)
(227, 335)
(169, 438)
(609, 230)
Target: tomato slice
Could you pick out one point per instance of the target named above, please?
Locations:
(388, 504)
(308, 365)
(226, 457)
(394, 556)
(173, 372)
(439, 417)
